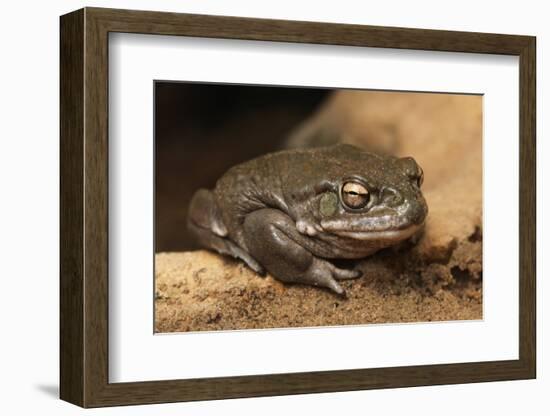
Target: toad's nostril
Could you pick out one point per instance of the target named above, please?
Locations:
(390, 197)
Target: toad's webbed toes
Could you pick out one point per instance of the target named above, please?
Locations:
(345, 274)
(322, 273)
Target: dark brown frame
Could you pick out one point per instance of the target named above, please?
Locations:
(84, 214)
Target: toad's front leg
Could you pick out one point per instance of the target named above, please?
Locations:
(272, 238)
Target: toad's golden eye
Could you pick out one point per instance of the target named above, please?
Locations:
(355, 195)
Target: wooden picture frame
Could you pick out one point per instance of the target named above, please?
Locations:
(84, 207)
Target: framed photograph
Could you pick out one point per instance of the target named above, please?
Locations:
(255, 207)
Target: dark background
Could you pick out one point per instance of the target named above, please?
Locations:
(201, 130)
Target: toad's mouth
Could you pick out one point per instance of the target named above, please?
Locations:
(382, 227)
(373, 235)
(384, 224)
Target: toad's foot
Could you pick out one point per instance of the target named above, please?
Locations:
(323, 273)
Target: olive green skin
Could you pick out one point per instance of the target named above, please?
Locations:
(284, 212)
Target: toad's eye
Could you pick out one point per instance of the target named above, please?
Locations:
(420, 179)
(355, 195)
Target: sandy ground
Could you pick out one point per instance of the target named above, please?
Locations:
(202, 291)
(439, 278)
